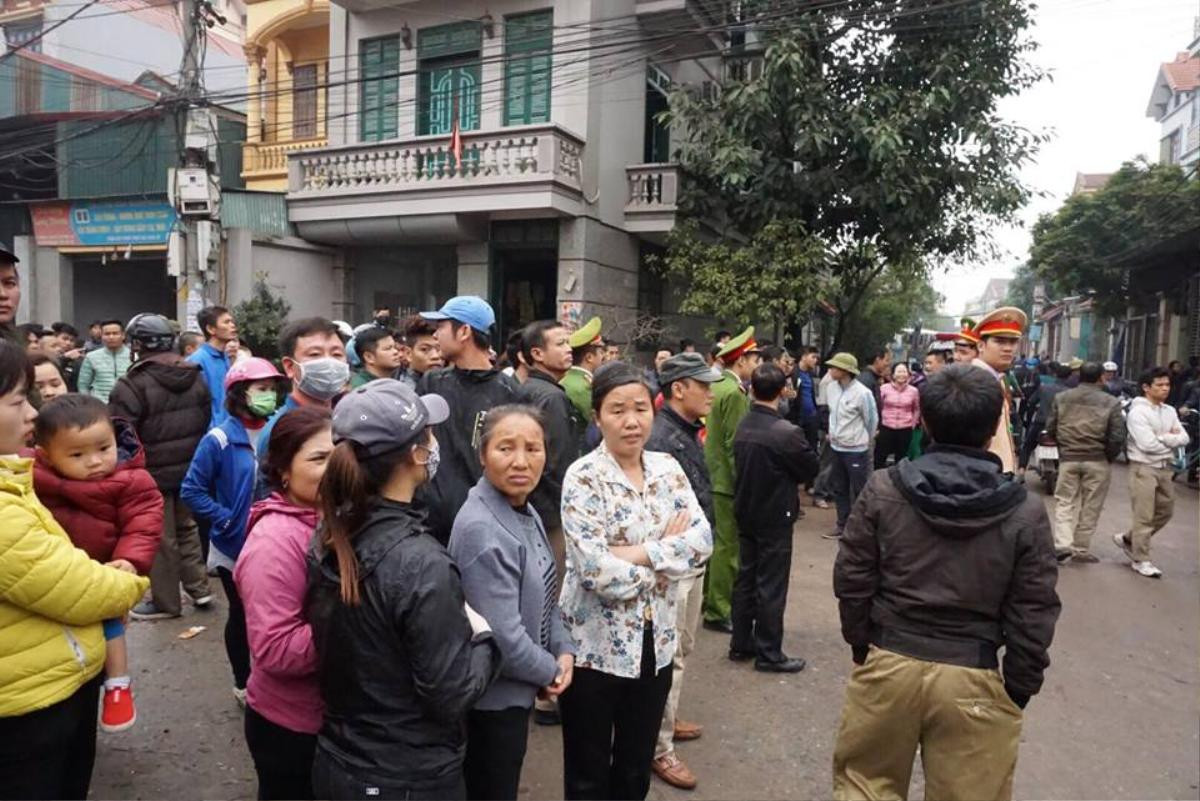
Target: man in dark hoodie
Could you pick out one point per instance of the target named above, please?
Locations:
(165, 398)
(472, 387)
(943, 562)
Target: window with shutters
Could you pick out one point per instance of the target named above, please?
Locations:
(379, 90)
(528, 42)
(448, 80)
(304, 101)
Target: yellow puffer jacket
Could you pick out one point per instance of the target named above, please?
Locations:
(52, 599)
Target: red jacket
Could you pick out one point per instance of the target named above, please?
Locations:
(117, 517)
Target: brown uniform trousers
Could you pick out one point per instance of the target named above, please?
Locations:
(967, 728)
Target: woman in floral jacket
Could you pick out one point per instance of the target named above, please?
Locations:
(633, 527)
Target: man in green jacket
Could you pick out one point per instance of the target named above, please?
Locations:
(380, 356)
(737, 361)
(102, 368)
(587, 353)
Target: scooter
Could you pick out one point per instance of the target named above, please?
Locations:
(1045, 460)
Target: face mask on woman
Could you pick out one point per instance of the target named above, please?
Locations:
(262, 404)
(435, 459)
(323, 378)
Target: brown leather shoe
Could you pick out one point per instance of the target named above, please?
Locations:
(687, 731)
(671, 770)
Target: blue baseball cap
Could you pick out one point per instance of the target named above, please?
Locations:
(474, 311)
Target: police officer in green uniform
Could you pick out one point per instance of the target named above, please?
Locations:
(737, 360)
(587, 352)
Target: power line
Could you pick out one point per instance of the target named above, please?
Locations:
(35, 39)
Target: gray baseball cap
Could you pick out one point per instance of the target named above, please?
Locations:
(385, 415)
(687, 365)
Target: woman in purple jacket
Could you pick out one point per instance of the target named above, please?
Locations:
(283, 701)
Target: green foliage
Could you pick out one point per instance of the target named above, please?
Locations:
(1085, 245)
(873, 130)
(897, 300)
(261, 318)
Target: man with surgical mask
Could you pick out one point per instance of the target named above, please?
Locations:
(314, 360)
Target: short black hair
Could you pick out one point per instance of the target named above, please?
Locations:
(1148, 377)
(16, 371)
(941, 355)
(367, 341)
(68, 411)
(807, 349)
(580, 353)
(415, 328)
(30, 329)
(767, 382)
(112, 321)
(64, 328)
(684, 344)
(534, 336)
(382, 306)
(208, 316)
(188, 338)
(771, 353)
(306, 326)
(1090, 372)
(722, 335)
(877, 354)
(512, 349)
(480, 338)
(1063, 371)
(612, 375)
(961, 405)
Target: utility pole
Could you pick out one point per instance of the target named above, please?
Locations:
(195, 184)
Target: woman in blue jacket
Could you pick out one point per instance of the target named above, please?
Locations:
(219, 488)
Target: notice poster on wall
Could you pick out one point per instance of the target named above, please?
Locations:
(102, 223)
(570, 313)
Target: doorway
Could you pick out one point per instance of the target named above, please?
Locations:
(524, 274)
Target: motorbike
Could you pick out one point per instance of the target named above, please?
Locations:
(1045, 460)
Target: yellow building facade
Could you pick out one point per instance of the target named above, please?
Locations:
(287, 55)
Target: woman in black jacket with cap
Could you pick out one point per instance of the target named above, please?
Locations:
(401, 657)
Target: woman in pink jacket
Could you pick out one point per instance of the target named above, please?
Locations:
(899, 415)
(283, 702)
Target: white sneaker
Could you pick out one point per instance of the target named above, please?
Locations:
(203, 601)
(1147, 569)
(240, 696)
(1123, 544)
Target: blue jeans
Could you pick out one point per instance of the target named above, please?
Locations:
(113, 628)
(849, 475)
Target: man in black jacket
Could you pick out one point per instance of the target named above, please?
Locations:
(943, 562)
(472, 387)
(686, 381)
(773, 458)
(166, 399)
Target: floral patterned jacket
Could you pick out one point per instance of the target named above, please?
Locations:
(606, 601)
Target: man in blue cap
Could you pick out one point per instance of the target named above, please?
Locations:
(472, 387)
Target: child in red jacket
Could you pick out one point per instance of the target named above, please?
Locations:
(90, 472)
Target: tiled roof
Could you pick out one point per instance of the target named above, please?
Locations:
(1183, 74)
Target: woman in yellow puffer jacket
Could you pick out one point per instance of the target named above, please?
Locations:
(52, 599)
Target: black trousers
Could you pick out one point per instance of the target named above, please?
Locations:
(237, 647)
(891, 442)
(49, 754)
(282, 758)
(610, 727)
(332, 781)
(496, 742)
(1029, 443)
(760, 592)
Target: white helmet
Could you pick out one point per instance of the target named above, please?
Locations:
(1110, 367)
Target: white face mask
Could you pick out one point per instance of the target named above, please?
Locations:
(323, 378)
(435, 459)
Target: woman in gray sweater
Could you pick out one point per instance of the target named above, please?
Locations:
(508, 576)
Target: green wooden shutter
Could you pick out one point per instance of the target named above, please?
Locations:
(379, 92)
(527, 67)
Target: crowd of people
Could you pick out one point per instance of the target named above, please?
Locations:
(422, 544)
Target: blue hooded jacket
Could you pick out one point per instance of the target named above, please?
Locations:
(214, 365)
(219, 485)
(808, 397)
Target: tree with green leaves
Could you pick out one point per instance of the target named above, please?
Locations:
(866, 137)
(1083, 247)
(260, 318)
(895, 301)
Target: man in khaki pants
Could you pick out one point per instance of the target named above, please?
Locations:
(1087, 424)
(969, 569)
(1154, 434)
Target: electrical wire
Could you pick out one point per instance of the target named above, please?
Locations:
(35, 39)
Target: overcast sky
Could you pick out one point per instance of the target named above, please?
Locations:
(1104, 57)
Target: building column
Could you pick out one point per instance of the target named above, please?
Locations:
(343, 282)
(48, 285)
(474, 273)
(598, 270)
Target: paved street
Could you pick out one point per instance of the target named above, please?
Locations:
(1117, 718)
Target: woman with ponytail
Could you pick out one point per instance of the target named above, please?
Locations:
(401, 658)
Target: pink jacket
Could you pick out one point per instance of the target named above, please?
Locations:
(272, 578)
(900, 409)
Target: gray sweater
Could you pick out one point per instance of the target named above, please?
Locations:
(503, 556)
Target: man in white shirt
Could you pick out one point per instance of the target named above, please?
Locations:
(852, 420)
(1154, 434)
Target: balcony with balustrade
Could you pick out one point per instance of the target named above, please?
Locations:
(400, 186)
(651, 203)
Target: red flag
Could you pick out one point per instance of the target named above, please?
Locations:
(456, 144)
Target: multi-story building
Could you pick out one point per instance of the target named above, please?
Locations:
(992, 297)
(1175, 105)
(510, 149)
(287, 47)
